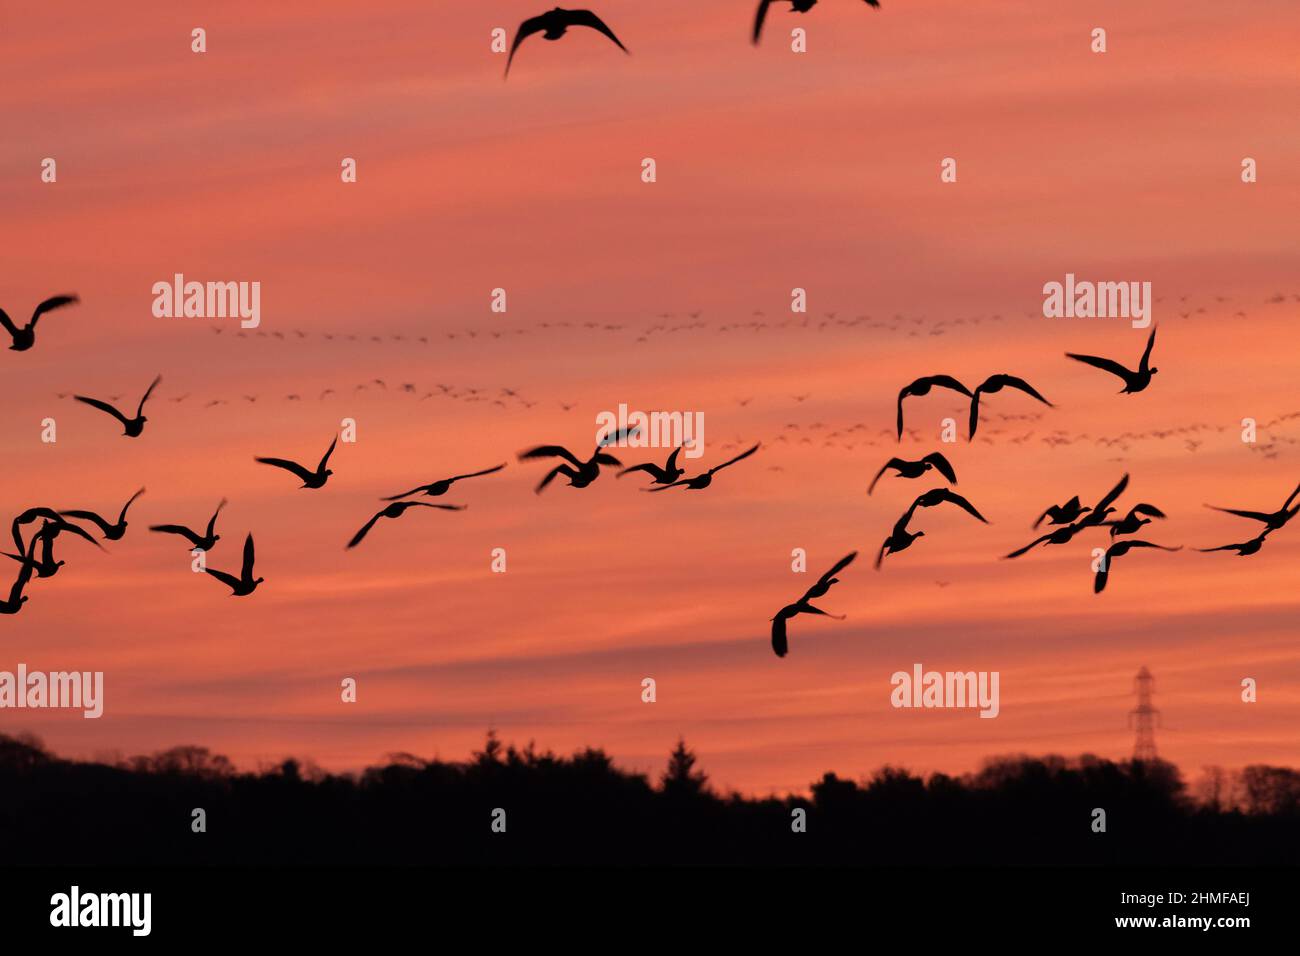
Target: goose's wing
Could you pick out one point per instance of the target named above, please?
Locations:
(407, 494)
(741, 457)
(49, 305)
(1029, 547)
(892, 463)
(942, 465)
(759, 17)
(102, 406)
(945, 495)
(88, 516)
(840, 565)
(1256, 515)
(130, 501)
(149, 391)
(947, 381)
(585, 18)
(1146, 355)
(229, 580)
(324, 461)
(1111, 496)
(550, 451)
(249, 556)
(1025, 387)
(365, 530)
(475, 474)
(1146, 509)
(181, 530)
(1105, 364)
(7, 323)
(780, 644)
(287, 465)
(526, 29)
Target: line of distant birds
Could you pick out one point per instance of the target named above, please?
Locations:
(1068, 519)
(555, 23)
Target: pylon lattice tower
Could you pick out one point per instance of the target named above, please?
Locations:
(1144, 717)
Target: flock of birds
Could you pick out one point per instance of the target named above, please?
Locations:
(555, 23)
(35, 554)
(1068, 520)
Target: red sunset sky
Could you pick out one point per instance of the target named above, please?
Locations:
(775, 170)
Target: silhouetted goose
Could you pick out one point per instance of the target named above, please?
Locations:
(198, 542)
(1117, 550)
(13, 604)
(579, 473)
(1132, 521)
(1059, 536)
(25, 338)
(133, 427)
(922, 387)
(796, 6)
(938, 496)
(1133, 381)
(310, 479)
(440, 487)
(245, 584)
(702, 481)
(396, 510)
(1245, 548)
(554, 24)
(900, 539)
(113, 531)
(1272, 519)
(915, 469)
(662, 476)
(46, 566)
(1103, 510)
(52, 516)
(1063, 514)
(802, 606)
(996, 383)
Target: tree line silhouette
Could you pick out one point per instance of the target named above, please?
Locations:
(583, 809)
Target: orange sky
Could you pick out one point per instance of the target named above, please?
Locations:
(775, 170)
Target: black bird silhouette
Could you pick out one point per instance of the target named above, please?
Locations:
(396, 510)
(52, 516)
(1059, 536)
(310, 479)
(25, 338)
(1132, 521)
(1133, 381)
(13, 604)
(579, 473)
(245, 584)
(1116, 550)
(133, 426)
(995, 383)
(1272, 519)
(1103, 510)
(440, 487)
(915, 469)
(796, 6)
(702, 481)
(1245, 548)
(204, 542)
(46, 567)
(553, 24)
(662, 476)
(112, 532)
(922, 386)
(901, 539)
(802, 606)
(1063, 514)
